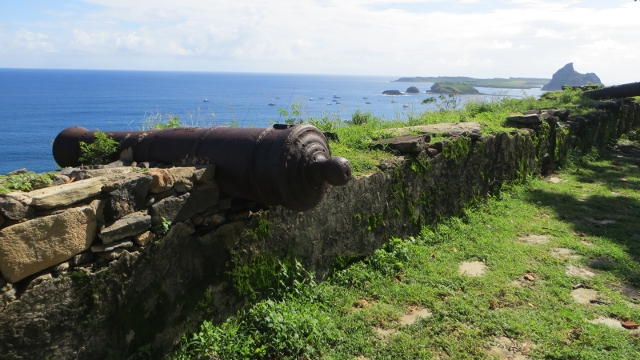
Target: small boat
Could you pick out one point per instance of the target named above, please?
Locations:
(405, 105)
(337, 102)
(394, 101)
(310, 99)
(205, 100)
(365, 98)
(271, 104)
(336, 97)
(329, 104)
(367, 102)
(321, 98)
(334, 100)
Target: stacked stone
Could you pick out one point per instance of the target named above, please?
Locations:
(97, 216)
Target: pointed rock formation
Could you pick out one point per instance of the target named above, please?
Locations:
(568, 76)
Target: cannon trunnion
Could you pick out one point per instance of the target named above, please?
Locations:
(288, 165)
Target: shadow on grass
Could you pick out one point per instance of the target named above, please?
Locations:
(615, 218)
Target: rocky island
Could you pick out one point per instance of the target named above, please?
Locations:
(453, 88)
(568, 76)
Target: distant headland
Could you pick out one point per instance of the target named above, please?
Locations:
(510, 83)
(453, 88)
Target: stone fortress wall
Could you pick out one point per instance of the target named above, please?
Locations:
(119, 258)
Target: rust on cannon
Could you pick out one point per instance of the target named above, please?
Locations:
(288, 165)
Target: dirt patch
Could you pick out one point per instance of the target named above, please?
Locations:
(472, 268)
(586, 243)
(584, 296)
(384, 333)
(579, 272)
(414, 315)
(505, 348)
(362, 303)
(555, 180)
(564, 253)
(534, 239)
(614, 324)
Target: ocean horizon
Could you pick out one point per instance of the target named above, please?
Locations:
(37, 104)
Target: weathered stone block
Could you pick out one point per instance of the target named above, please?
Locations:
(167, 209)
(15, 206)
(531, 119)
(183, 177)
(144, 239)
(35, 245)
(183, 207)
(471, 129)
(402, 144)
(130, 225)
(205, 173)
(161, 181)
(67, 194)
(128, 198)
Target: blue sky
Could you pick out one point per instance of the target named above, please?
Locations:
(526, 38)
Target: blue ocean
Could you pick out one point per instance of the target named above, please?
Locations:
(36, 104)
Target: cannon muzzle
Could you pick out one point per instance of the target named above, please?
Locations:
(288, 165)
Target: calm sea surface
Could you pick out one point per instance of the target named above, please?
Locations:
(35, 105)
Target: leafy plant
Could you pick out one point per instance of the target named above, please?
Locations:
(25, 182)
(163, 227)
(101, 151)
(270, 330)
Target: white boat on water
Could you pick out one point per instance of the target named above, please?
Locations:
(336, 97)
(205, 100)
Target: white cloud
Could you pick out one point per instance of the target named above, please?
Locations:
(33, 41)
(552, 34)
(338, 36)
(502, 45)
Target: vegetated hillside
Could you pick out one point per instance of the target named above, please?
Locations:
(453, 88)
(510, 83)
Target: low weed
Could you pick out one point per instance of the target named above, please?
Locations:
(25, 182)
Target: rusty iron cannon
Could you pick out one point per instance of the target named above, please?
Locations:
(288, 165)
(614, 92)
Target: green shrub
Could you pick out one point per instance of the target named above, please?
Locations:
(101, 151)
(360, 118)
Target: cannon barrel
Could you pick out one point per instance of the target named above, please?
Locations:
(288, 165)
(613, 92)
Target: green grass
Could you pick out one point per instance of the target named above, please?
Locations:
(355, 137)
(469, 314)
